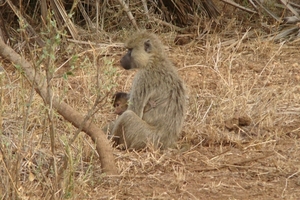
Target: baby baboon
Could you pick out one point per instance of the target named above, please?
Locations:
(155, 83)
(120, 102)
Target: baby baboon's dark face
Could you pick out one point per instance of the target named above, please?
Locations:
(120, 107)
(120, 102)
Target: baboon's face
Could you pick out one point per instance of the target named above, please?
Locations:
(120, 107)
(127, 61)
(138, 54)
(120, 102)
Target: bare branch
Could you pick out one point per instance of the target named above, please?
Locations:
(146, 8)
(290, 7)
(28, 27)
(38, 81)
(269, 12)
(60, 12)
(230, 2)
(130, 16)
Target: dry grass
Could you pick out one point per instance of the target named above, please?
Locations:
(240, 139)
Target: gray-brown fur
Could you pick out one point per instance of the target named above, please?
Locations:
(156, 82)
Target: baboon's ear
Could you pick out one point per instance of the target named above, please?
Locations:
(147, 46)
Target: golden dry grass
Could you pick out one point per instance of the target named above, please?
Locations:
(231, 79)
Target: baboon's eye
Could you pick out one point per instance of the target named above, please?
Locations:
(147, 46)
(117, 105)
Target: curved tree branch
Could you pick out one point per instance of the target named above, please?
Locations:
(38, 81)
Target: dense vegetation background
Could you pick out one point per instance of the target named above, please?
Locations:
(59, 68)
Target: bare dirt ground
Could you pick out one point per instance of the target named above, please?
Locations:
(241, 138)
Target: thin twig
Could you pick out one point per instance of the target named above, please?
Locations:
(286, 182)
(4, 159)
(290, 7)
(176, 28)
(267, 11)
(31, 32)
(235, 164)
(253, 5)
(130, 16)
(230, 2)
(146, 8)
(85, 15)
(59, 13)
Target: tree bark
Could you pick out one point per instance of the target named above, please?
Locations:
(39, 82)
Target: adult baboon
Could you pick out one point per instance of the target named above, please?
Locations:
(156, 82)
